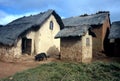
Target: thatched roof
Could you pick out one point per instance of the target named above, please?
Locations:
(1, 25)
(12, 31)
(94, 19)
(77, 31)
(115, 30)
(78, 26)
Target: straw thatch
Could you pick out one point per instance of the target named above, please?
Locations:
(115, 30)
(73, 31)
(12, 31)
(94, 19)
(77, 31)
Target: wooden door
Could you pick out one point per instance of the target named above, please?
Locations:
(28, 46)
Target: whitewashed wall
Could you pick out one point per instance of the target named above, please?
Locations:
(86, 49)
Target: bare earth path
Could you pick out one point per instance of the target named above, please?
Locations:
(8, 69)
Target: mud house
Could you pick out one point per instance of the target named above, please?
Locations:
(114, 37)
(100, 24)
(31, 35)
(76, 43)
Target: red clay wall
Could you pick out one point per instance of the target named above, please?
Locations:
(97, 41)
(101, 36)
(105, 33)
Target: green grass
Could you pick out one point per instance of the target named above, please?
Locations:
(60, 71)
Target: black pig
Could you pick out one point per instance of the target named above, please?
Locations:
(40, 57)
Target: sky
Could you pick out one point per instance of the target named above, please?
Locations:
(13, 9)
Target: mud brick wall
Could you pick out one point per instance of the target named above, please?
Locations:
(71, 49)
(77, 49)
(87, 49)
(97, 41)
(8, 54)
(101, 35)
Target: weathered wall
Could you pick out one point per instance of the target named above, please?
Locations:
(105, 30)
(44, 38)
(106, 25)
(105, 40)
(97, 41)
(86, 49)
(101, 36)
(10, 53)
(75, 49)
(71, 49)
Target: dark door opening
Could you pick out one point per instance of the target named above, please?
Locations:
(26, 45)
(106, 44)
(117, 48)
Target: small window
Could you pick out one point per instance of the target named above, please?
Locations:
(87, 42)
(51, 25)
(112, 40)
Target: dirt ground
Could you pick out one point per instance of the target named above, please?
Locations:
(10, 68)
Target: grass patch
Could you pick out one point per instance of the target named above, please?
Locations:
(60, 71)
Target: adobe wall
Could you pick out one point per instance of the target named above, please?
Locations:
(101, 35)
(44, 38)
(105, 32)
(105, 40)
(97, 41)
(87, 49)
(10, 53)
(71, 49)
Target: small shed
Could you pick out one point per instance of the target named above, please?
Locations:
(114, 37)
(100, 24)
(76, 43)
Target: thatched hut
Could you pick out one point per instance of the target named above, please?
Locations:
(31, 35)
(114, 37)
(100, 24)
(76, 43)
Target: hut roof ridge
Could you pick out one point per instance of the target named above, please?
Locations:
(94, 19)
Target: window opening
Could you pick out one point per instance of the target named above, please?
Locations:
(51, 25)
(87, 42)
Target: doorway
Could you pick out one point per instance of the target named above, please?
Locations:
(26, 45)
